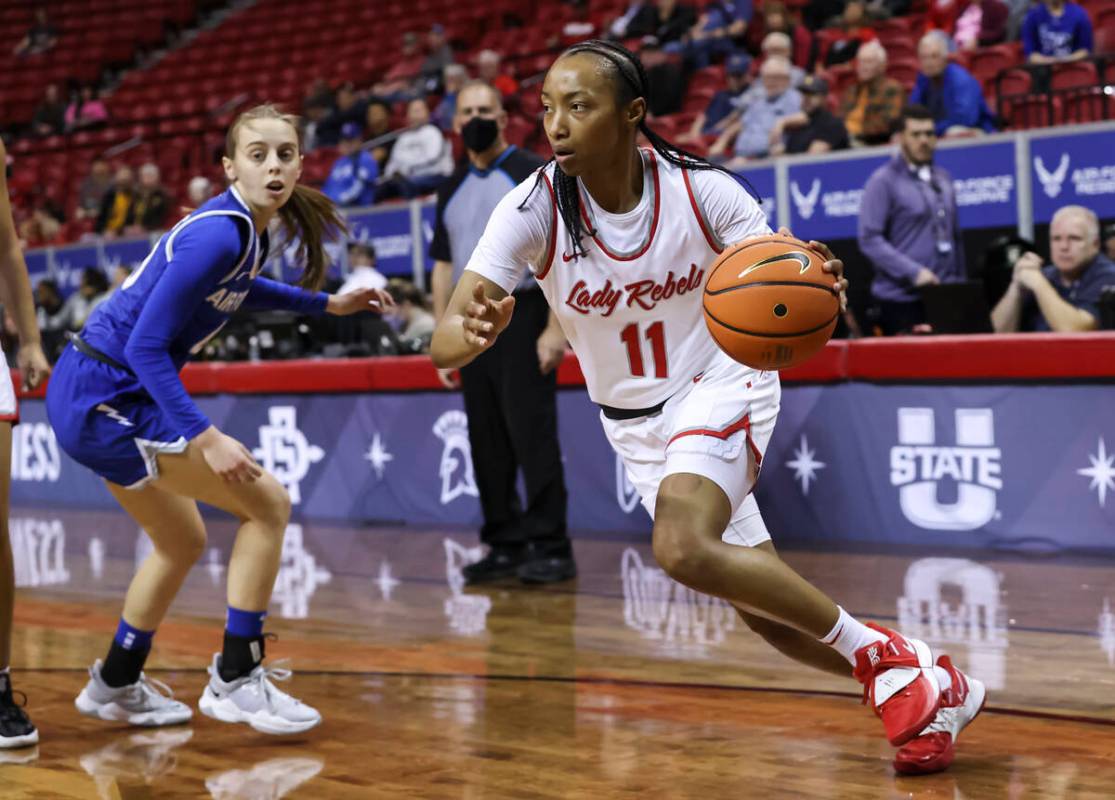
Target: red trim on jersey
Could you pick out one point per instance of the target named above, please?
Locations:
(552, 250)
(732, 428)
(653, 222)
(697, 212)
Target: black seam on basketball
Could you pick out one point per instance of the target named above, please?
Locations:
(822, 286)
(765, 335)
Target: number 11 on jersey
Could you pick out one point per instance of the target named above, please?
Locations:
(656, 336)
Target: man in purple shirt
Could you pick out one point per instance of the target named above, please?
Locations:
(908, 225)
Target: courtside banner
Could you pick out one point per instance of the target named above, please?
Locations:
(38, 264)
(958, 466)
(825, 197)
(1074, 169)
(128, 253)
(68, 263)
(389, 230)
(984, 182)
(763, 181)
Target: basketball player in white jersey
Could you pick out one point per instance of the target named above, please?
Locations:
(619, 239)
(16, 729)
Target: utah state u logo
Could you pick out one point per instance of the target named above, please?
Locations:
(918, 464)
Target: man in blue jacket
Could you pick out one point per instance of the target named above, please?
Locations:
(949, 91)
(352, 181)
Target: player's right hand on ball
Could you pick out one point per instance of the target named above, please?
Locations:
(227, 457)
(485, 318)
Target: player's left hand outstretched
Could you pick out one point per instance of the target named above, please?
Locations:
(485, 318)
(377, 300)
(551, 350)
(833, 266)
(33, 366)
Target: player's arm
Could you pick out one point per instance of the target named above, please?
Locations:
(478, 311)
(266, 294)
(441, 285)
(15, 292)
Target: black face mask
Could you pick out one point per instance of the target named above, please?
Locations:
(479, 133)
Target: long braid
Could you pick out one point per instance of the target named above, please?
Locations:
(633, 84)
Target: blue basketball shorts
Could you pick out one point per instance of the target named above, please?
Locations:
(105, 420)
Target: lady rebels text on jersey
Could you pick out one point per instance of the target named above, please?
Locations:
(632, 307)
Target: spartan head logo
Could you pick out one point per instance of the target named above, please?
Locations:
(456, 458)
(1051, 181)
(806, 203)
(918, 465)
(626, 494)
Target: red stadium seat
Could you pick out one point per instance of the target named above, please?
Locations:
(1013, 81)
(990, 61)
(1092, 106)
(1074, 74)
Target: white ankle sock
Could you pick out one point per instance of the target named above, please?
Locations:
(848, 635)
(943, 677)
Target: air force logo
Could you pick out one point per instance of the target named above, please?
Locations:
(1051, 182)
(456, 458)
(806, 203)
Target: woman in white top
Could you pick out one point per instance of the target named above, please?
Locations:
(619, 239)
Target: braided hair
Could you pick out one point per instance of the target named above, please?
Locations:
(630, 79)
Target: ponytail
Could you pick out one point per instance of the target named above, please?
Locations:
(630, 80)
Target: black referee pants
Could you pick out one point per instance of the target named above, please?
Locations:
(512, 425)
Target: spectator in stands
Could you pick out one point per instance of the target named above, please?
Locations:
(50, 114)
(362, 272)
(489, 70)
(665, 20)
(454, 78)
(718, 113)
(347, 107)
(151, 208)
(854, 32)
(116, 211)
(752, 132)
(439, 55)
(950, 92)
(1056, 31)
(402, 81)
(981, 23)
(908, 226)
(41, 227)
(377, 123)
(665, 79)
(352, 180)
(316, 106)
(1109, 241)
(1062, 296)
(50, 310)
(776, 17)
(416, 321)
(91, 292)
(812, 130)
(818, 14)
(198, 190)
(92, 189)
(719, 31)
(86, 110)
(775, 45)
(873, 103)
(41, 36)
(421, 158)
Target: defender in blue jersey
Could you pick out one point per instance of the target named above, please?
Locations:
(118, 407)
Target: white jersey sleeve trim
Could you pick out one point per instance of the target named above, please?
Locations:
(725, 207)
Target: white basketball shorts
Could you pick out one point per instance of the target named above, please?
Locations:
(712, 428)
(9, 407)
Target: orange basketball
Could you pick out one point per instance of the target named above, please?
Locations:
(768, 304)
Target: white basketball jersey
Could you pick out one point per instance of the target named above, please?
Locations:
(631, 308)
(635, 318)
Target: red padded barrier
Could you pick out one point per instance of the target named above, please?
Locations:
(1020, 358)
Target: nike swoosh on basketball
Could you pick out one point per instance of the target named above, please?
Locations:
(801, 258)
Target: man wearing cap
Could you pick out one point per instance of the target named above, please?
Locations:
(713, 119)
(812, 130)
(352, 180)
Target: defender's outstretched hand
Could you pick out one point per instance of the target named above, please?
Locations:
(377, 300)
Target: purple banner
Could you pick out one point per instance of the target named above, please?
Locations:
(960, 466)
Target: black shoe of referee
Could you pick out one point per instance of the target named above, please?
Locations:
(548, 567)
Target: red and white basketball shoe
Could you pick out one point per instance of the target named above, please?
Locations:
(935, 747)
(897, 677)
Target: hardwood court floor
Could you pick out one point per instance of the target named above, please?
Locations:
(619, 685)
